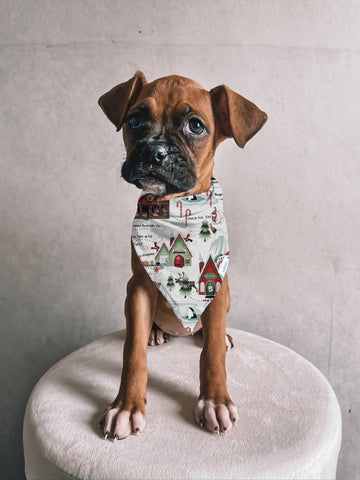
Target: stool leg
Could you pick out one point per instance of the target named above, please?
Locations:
(215, 408)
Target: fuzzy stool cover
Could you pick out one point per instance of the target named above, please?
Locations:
(289, 427)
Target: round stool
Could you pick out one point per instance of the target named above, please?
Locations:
(289, 427)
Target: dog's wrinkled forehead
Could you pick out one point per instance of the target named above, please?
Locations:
(183, 96)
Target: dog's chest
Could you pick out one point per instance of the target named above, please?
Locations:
(183, 246)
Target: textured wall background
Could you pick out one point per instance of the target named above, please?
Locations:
(292, 195)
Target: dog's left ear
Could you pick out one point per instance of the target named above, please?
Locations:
(235, 116)
(117, 101)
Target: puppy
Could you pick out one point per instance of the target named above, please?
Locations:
(172, 127)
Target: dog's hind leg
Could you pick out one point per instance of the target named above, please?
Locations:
(157, 336)
(229, 342)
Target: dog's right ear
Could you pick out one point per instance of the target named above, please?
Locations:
(117, 101)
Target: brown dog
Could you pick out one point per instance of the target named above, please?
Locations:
(172, 127)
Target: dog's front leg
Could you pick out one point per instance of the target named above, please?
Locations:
(126, 414)
(215, 408)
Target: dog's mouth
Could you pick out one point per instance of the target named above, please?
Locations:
(160, 185)
(169, 173)
(155, 185)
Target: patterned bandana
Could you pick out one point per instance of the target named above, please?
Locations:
(183, 245)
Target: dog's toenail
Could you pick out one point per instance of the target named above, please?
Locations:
(224, 429)
(106, 434)
(216, 429)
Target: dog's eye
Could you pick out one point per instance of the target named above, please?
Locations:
(135, 121)
(195, 126)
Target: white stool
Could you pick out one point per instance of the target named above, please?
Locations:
(289, 427)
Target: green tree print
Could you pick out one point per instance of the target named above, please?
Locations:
(170, 283)
(205, 231)
(185, 287)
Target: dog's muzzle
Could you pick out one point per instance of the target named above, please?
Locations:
(159, 167)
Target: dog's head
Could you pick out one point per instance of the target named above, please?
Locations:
(172, 127)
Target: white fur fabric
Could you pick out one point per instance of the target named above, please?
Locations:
(289, 427)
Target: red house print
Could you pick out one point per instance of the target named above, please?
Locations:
(150, 207)
(210, 280)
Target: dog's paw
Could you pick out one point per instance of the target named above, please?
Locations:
(157, 336)
(229, 342)
(217, 418)
(118, 424)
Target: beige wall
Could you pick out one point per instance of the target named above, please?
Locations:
(292, 196)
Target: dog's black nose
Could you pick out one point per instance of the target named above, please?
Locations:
(157, 152)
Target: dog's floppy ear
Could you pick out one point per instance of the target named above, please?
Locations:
(117, 101)
(235, 116)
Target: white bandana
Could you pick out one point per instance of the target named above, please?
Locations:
(183, 246)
